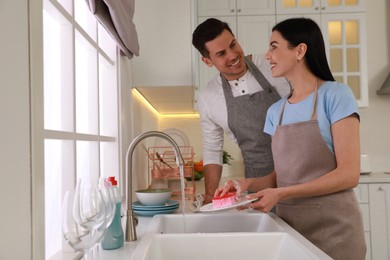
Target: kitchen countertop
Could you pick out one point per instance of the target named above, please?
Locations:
(375, 177)
(126, 252)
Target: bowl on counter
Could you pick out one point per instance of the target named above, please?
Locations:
(153, 197)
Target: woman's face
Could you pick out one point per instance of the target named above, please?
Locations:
(281, 56)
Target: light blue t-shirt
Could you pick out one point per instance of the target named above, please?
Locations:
(335, 101)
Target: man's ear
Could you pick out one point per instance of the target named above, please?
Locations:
(207, 61)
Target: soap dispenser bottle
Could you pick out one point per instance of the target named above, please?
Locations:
(114, 238)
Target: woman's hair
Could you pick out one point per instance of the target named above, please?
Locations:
(305, 30)
(208, 31)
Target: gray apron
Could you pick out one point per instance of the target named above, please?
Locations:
(246, 119)
(332, 222)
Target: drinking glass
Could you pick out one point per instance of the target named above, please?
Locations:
(78, 237)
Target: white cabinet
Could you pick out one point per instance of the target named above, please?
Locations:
(319, 6)
(165, 43)
(343, 25)
(380, 220)
(373, 194)
(235, 7)
(361, 192)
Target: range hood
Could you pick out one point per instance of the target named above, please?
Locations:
(385, 89)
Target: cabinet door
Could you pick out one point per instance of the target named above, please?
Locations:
(344, 37)
(255, 7)
(297, 6)
(216, 7)
(254, 33)
(342, 6)
(319, 6)
(380, 220)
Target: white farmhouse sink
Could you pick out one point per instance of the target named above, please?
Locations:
(216, 223)
(233, 235)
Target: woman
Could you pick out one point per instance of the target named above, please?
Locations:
(315, 145)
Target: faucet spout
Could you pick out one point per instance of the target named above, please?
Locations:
(131, 218)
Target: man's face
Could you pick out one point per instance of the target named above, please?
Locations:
(226, 55)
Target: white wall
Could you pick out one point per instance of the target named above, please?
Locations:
(375, 120)
(15, 184)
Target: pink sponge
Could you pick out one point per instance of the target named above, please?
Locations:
(225, 201)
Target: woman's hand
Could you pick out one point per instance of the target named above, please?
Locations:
(237, 186)
(267, 199)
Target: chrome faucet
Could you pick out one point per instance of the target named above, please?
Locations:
(131, 217)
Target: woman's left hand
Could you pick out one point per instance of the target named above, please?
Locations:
(267, 199)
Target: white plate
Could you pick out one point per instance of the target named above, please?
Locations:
(178, 136)
(242, 202)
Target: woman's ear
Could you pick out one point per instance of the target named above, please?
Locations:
(301, 51)
(207, 61)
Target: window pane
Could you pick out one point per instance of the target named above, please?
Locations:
(336, 60)
(86, 87)
(352, 32)
(289, 3)
(335, 33)
(334, 2)
(85, 18)
(107, 99)
(354, 83)
(106, 42)
(59, 176)
(87, 161)
(58, 84)
(353, 60)
(109, 164)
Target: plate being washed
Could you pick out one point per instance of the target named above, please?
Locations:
(243, 201)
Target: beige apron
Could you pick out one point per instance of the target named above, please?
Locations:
(332, 222)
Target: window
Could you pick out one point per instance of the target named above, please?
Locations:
(81, 126)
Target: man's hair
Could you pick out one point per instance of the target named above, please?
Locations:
(208, 31)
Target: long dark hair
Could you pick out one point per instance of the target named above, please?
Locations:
(208, 31)
(305, 30)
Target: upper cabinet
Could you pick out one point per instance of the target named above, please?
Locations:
(342, 23)
(165, 32)
(319, 6)
(235, 7)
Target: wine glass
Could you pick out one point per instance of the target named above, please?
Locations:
(78, 237)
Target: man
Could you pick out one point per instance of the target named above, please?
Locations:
(234, 102)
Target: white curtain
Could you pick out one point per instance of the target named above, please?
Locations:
(117, 17)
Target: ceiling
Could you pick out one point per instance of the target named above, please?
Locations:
(170, 100)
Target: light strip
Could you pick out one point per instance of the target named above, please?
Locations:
(155, 111)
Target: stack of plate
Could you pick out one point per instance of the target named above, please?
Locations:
(142, 210)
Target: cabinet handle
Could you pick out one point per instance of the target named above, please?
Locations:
(323, 8)
(380, 188)
(238, 10)
(232, 11)
(316, 8)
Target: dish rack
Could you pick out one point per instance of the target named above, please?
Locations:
(164, 173)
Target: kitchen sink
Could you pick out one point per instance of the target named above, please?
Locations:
(216, 223)
(227, 246)
(231, 235)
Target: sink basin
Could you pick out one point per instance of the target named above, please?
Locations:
(229, 235)
(216, 223)
(227, 246)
